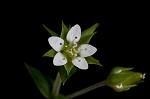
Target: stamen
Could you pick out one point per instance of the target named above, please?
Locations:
(75, 37)
(74, 45)
(74, 55)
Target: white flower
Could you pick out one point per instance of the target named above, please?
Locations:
(74, 52)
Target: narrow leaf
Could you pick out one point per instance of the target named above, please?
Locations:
(63, 73)
(64, 31)
(50, 31)
(40, 80)
(50, 53)
(92, 60)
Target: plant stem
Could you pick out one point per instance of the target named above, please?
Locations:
(85, 90)
(56, 86)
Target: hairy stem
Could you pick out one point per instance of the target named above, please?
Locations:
(85, 90)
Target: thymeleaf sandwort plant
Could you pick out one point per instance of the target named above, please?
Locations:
(71, 51)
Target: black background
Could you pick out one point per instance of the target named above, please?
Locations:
(121, 40)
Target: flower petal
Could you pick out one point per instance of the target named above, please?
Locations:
(86, 50)
(74, 34)
(56, 43)
(80, 62)
(59, 59)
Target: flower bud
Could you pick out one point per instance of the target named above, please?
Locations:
(122, 79)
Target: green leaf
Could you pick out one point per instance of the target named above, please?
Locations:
(50, 53)
(40, 80)
(92, 60)
(50, 31)
(64, 31)
(63, 73)
(88, 34)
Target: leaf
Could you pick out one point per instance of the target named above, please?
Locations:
(64, 31)
(50, 53)
(40, 80)
(63, 73)
(88, 34)
(92, 60)
(50, 31)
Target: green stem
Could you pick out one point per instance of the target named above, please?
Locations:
(85, 90)
(56, 86)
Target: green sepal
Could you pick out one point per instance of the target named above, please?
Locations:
(51, 32)
(68, 67)
(50, 53)
(64, 75)
(64, 31)
(92, 60)
(88, 34)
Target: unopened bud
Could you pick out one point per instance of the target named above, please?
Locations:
(122, 79)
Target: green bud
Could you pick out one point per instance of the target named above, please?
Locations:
(122, 79)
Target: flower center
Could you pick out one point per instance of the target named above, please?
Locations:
(71, 50)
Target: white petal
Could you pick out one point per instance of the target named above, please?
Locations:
(56, 43)
(86, 50)
(80, 62)
(59, 59)
(74, 34)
